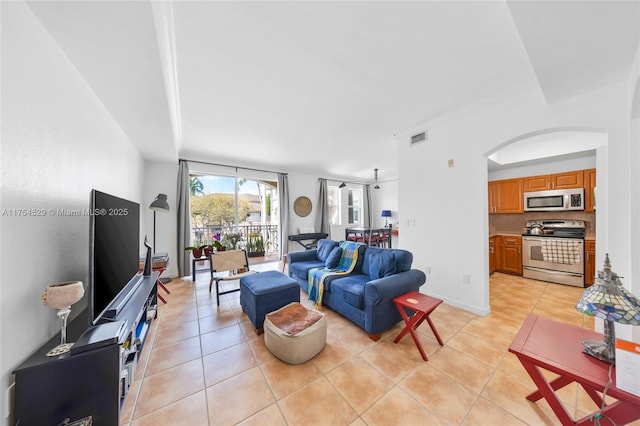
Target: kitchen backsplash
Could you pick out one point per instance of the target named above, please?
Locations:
(514, 223)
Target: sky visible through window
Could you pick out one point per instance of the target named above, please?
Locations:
(224, 184)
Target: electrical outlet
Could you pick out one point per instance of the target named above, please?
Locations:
(466, 279)
(427, 270)
(450, 163)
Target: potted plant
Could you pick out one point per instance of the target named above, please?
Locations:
(218, 245)
(255, 245)
(196, 252)
(231, 240)
(208, 249)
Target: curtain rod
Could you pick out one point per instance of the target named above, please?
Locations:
(346, 181)
(233, 167)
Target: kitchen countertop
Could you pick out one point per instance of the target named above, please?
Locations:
(515, 234)
(508, 234)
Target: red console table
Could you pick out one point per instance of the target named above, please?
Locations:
(557, 347)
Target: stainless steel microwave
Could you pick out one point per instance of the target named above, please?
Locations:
(555, 200)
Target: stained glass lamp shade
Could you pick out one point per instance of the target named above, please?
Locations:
(609, 300)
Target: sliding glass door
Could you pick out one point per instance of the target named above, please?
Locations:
(240, 212)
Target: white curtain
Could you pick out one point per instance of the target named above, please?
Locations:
(184, 220)
(322, 218)
(366, 206)
(283, 192)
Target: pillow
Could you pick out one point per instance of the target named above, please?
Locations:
(324, 249)
(306, 230)
(334, 258)
(381, 265)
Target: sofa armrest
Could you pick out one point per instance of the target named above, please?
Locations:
(302, 255)
(387, 288)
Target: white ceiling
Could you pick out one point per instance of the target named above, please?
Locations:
(323, 87)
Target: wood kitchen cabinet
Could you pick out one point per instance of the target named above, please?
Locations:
(589, 262)
(589, 190)
(492, 253)
(511, 255)
(506, 196)
(566, 180)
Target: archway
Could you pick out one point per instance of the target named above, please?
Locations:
(543, 152)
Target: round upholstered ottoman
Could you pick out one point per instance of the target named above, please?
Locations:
(295, 334)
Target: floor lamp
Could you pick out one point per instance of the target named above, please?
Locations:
(159, 205)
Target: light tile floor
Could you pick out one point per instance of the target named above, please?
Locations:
(204, 365)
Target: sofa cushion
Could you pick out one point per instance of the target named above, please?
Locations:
(334, 258)
(361, 255)
(324, 249)
(301, 269)
(381, 264)
(349, 288)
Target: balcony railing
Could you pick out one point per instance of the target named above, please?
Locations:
(269, 234)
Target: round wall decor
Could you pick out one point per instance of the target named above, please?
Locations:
(302, 206)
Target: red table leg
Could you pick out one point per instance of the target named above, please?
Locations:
(412, 324)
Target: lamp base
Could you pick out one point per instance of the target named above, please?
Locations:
(60, 349)
(600, 350)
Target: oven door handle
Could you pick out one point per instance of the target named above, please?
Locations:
(549, 271)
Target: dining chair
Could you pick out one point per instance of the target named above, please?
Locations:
(228, 265)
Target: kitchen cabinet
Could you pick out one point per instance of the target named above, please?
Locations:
(589, 262)
(589, 190)
(566, 180)
(511, 255)
(506, 196)
(492, 257)
(497, 254)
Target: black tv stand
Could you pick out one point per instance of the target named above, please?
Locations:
(93, 379)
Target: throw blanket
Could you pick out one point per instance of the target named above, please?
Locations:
(345, 265)
(561, 251)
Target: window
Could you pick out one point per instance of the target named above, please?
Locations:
(240, 212)
(354, 206)
(334, 205)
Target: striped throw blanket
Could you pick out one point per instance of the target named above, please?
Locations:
(565, 252)
(345, 265)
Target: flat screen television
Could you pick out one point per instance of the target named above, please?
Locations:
(114, 254)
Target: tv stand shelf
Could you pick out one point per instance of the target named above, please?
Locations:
(93, 379)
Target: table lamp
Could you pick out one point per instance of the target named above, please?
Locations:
(61, 296)
(609, 300)
(386, 214)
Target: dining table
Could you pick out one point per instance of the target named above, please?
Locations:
(373, 236)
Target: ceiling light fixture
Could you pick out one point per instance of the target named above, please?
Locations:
(375, 178)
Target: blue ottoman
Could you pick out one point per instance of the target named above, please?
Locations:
(266, 292)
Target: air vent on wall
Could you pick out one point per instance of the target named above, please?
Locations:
(420, 137)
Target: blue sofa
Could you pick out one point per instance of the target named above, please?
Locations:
(365, 296)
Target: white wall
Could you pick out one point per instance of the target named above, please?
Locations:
(162, 178)
(307, 186)
(451, 229)
(634, 159)
(58, 142)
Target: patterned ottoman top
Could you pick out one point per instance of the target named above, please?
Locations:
(294, 318)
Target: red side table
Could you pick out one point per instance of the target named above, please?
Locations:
(545, 344)
(423, 305)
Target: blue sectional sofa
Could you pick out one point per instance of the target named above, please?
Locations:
(364, 296)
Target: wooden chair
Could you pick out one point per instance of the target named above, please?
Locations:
(384, 238)
(354, 236)
(228, 265)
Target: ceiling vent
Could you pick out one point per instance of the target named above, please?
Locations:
(420, 137)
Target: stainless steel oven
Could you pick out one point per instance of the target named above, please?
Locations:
(556, 254)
